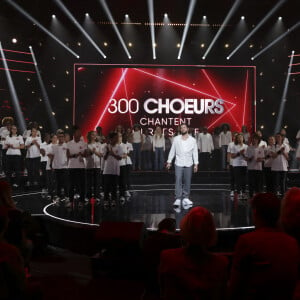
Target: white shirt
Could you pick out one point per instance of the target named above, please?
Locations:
(33, 151)
(122, 162)
(205, 142)
(263, 144)
(129, 149)
(225, 138)
(48, 149)
(111, 164)
(229, 149)
(254, 153)
(280, 163)
(159, 142)
(60, 158)
(16, 141)
(239, 161)
(44, 147)
(137, 137)
(186, 152)
(76, 148)
(268, 155)
(4, 133)
(93, 160)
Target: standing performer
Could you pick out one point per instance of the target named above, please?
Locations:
(185, 149)
(14, 143)
(76, 152)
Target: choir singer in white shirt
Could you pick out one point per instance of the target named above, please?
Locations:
(184, 149)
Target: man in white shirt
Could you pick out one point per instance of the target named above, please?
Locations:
(205, 146)
(184, 148)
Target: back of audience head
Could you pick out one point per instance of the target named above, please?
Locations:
(198, 228)
(6, 200)
(266, 210)
(290, 212)
(167, 225)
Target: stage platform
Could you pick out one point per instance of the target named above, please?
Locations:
(151, 200)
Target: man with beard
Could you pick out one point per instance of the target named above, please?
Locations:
(184, 148)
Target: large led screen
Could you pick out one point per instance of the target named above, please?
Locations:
(148, 95)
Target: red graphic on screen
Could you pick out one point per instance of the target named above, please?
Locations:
(107, 95)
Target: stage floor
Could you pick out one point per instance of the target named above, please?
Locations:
(149, 203)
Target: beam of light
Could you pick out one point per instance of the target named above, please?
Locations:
(151, 21)
(269, 14)
(295, 64)
(80, 28)
(223, 115)
(294, 73)
(126, 93)
(284, 94)
(33, 20)
(111, 19)
(19, 61)
(44, 93)
(222, 27)
(15, 70)
(217, 92)
(276, 41)
(13, 93)
(112, 96)
(245, 98)
(187, 25)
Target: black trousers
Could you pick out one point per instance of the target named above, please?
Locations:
(268, 177)
(279, 181)
(240, 177)
(33, 169)
(43, 177)
(13, 165)
(231, 176)
(122, 180)
(204, 161)
(128, 177)
(77, 183)
(50, 176)
(255, 180)
(62, 182)
(93, 182)
(4, 160)
(110, 186)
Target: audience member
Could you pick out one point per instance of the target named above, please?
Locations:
(290, 222)
(265, 260)
(193, 272)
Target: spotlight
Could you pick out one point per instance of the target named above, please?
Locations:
(251, 46)
(226, 45)
(53, 16)
(87, 15)
(154, 45)
(178, 57)
(227, 57)
(14, 40)
(279, 18)
(262, 127)
(77, 56)
(204, 17)
(129, 57)
(203, 57)
(53, 113)
(67, 99)
(242, 18)
(126, 16)
(165, 15)
(202, 45)
(178, 45)
(105, 44)
(252, 58)
(78, 44)
(129, 44)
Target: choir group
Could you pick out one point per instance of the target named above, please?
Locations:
(99, 166)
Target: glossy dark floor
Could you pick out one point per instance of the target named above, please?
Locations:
(149, 204)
